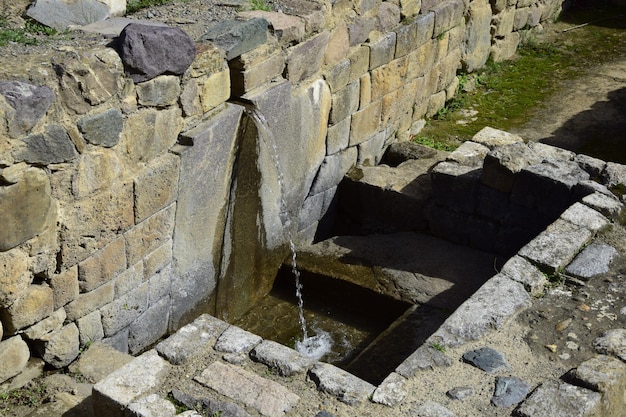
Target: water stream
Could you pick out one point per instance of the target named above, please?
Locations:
(320, 344)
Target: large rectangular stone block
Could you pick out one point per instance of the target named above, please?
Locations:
(103, 266)
(65, 286)
(124, 310)
(90, 301)
(35, 303)
(382, 49)
(246, 77)
(150, 132)
(89, 224)
(204, 190)
(133, 380)
(150, 234)
(359, 62)
(149, 326)
(156, 186)
(344, 103)
(365, 123)
(448, 14)
(389, 77)
(305, 59)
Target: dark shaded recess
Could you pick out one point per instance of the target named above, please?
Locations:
(599, 132)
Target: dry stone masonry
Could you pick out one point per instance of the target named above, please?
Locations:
(154, 178)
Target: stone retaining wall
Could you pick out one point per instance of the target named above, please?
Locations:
(131, 203)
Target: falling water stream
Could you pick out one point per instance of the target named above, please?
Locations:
(320, 344)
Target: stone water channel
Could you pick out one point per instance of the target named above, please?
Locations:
(454, 295)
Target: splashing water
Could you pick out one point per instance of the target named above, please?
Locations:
(320, 344)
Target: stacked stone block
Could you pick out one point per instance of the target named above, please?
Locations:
(496, 193)
(106, 166)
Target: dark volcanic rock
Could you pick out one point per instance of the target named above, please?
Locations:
(30, 103)
(149, 51)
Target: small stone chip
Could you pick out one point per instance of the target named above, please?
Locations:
(551, 348)
(562, 325)
(583, 307)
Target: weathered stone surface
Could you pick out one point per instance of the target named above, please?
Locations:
(312, 12)
(334, 381)
(432, 409)
(205, 181)
(338, 45)
(285, 360)
(151, 405)
(91, 301)
(64, 286)
(509, 391)
(287, 29)
(150, 234)
(197, 397)
(253, 69)
(133, 380)
(593, 260)
(391, 391)
(371, 151)
(236, 340)
(504, 48)
(607, 376)
(558, 399)
(124, 310)
(498, 300)
(103, 266)
(14, 354)
(43, 328)
(215, 90)
(29, 102)
(96, 170)
(90, 328)
(344, 103)
(333, 169)
(34, 369)
(14, 276)
(492, 138)
(34, 304)
(267, 397)
(90, 223)
(365, 123)
(469, 154)
(388, 17)
(305, 59)
(338, 137)
(148, 51)
(360, 29)
(593, 166)
(460, 393)
(118, 341)
(605, 204)
(382, 49)
(237, 37)
(486, 359)
(161, 91)
(502, 164)
(52, 147)
(62, 14)
(522, 271)
(102, 129)
(612, 342)
(583, 216)
(191, 339)
(149, 132)
(60, 348)
(456, 185)
(448, 14)
(87, 78)
(477, 42)
(555, 247)
(156, 187)
(424, 357)
(149, 327)
(614, 174)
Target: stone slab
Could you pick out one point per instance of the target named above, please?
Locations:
(497, 301)
(558, 399)
(555, 247)
(522, 271)
(593, 260)
(391, 391)
(612, 342)
(267, 397)
(192, 339)
(285, 360)
(131, 381)
(343, 385)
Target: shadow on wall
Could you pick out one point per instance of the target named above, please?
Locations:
(599, 132)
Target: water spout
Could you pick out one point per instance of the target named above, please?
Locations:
(319, 344)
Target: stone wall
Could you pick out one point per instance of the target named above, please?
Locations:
(132, 201)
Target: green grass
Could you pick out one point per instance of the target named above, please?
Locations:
(507, 94)
(260, 5)
(32, 395)
(133, 6)
(25, 35)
